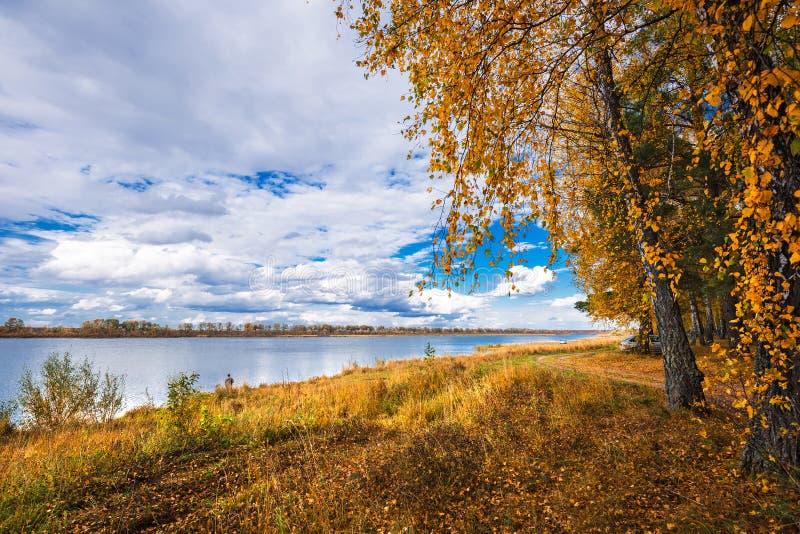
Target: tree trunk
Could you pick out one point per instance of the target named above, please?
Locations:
(729, 328)
(683, 380)
(645, 329)
(709, 319)
(697, 324)
(774, 440)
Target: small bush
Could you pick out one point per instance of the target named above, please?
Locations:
(69, 393)
(183, 401)
(109, 399)
(212, 425)
(186, 412)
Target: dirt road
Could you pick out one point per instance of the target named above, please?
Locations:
(586, 363)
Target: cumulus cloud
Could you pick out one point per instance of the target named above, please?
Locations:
(149, 294)
(568, 301)
(525, 281)
(376, 286)
(27, 295)
(98, 303)
(450, 305)
(117, 260)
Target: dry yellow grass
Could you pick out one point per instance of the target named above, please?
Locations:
(493, 441)
(527, 349)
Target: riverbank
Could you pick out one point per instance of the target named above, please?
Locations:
(147, 362)
(495, 440)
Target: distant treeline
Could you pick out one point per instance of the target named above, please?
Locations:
(115, 328)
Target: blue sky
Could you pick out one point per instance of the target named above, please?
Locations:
(197, 161)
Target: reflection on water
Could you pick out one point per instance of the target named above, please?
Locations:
(146, 363)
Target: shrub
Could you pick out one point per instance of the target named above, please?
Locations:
(214, 425)
(186, 412)
(69, 393)
(183, 400)
(109, 400)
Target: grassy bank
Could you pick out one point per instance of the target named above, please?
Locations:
(495, 441)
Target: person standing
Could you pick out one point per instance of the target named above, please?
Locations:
(229, 384)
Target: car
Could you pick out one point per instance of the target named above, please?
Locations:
(632, 343)
(629, 343)
(655, 343)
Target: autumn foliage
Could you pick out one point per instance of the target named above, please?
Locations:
(657, 141)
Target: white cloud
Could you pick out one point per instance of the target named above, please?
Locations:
(525, 281)
(568, 302)
(95, 303)
(439, 302)
(116, 260)
(30, 294)
(371, 287)
(149, 294)
(524, 246)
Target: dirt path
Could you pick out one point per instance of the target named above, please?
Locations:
(629, 368)
(584, 362)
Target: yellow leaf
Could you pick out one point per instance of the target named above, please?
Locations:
(713, 99)
(789, 21)
(748, 23)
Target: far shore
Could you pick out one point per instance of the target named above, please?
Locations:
(238, 334)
